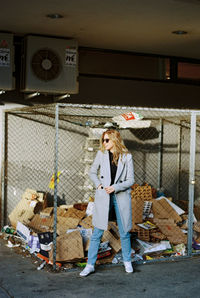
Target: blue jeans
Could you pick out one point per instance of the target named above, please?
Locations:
(98, 233)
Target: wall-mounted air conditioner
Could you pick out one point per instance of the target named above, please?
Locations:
(7, 81)
(49, 65)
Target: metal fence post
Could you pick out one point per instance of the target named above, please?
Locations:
(3, 165)
(5, 172)
(179, 159)
(160, 157)
(191, 180)
(55, 185)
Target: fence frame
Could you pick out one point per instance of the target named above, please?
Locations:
(193, 127)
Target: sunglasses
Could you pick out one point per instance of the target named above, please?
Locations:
(106, 140)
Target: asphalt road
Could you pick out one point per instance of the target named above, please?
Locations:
(19, 277)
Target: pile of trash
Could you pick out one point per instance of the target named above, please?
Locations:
(159, 229)
(32, 222)
(160, 224)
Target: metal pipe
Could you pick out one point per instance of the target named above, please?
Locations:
(55, 185)
(191, 181)
(5, 170)
(179, 156)
(160, 157)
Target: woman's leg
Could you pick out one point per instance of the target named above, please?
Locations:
(94, 245)
(92, 252)
(124, 236)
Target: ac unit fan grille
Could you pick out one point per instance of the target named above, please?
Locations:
(46, 65)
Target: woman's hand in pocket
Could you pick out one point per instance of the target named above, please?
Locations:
(109, 189)
(100, 186)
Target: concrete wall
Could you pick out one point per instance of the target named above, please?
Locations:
(126, 79)
(2, 108)
(136, 93)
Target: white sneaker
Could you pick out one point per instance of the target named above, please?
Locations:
(128, 267)
(87, 270)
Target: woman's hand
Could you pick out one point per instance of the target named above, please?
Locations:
(109, 189)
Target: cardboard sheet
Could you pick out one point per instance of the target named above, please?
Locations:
(69, 247)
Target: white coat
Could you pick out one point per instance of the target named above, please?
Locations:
(100, 174)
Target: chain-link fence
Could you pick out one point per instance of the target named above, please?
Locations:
(60, 141)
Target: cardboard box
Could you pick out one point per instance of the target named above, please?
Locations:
(173, 233)
(86, 234)
(113, 226)
(196, 227)
(73, 212)
(31, 203)
(162, 209)
(69, 247)
(24, 211)
(167, 221)
(197, 212)
(86, 222)
(155, 236)
(66, 223)
(61, 212)
(30, 194)
(66, 206)
(42, 224)
(47, 212)
(178, 210)
(50, 211)
(113, 242)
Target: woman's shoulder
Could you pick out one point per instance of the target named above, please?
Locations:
(127, 155)
(100, 153)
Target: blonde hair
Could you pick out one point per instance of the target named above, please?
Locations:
(119, 147)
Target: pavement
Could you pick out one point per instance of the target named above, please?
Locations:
(19, 277)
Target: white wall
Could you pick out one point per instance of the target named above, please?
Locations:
(2, 109)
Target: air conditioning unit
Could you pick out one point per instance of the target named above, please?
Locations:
(49, 65)
(7, 81)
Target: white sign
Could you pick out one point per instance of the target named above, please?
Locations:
(23, 231)
(70, 57)
(4, 57)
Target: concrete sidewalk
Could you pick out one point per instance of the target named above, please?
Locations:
(19, 277)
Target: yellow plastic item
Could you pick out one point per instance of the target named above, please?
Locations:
(149, 258)
(51, 184)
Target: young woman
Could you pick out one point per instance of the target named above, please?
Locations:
(112, 174)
